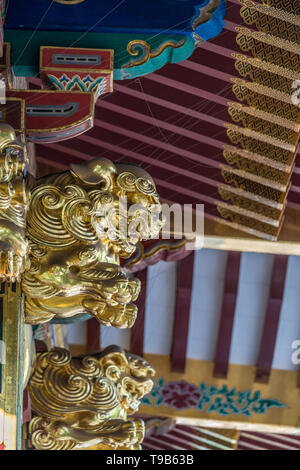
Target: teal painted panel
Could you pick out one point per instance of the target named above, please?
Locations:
(25, 60)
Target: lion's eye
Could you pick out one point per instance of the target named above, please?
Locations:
(114, 374)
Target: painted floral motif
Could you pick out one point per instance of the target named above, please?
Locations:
(180, 395)
(226, 401)
(223, 401)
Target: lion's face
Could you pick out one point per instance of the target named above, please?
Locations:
(105, 385)
(79, 224)
(132, 375)
(126, 207)
(131, 392)
(84, 401)
(112, 300)
(122, 222)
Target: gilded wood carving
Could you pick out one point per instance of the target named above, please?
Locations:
(76, 241)
(14, 200)
(83, 402)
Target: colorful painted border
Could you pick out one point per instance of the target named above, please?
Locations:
(181, 395)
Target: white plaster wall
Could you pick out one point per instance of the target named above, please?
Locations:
(76, 333)
(160, 305)
(289, 324)
(208, 286)
(253, 293)
(206, 303)
(110, 335)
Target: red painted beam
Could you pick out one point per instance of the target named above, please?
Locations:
(60, 150)
(227, 314)
(268, 342)
(149, 141)
(137, 331)
(204, 69)
(197, 197)
(188, 88)
(205, 117)
(93, 336)
(185, 269)
(27, 415)
(156, 167)
(194, 137)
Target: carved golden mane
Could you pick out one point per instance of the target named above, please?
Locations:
(84, 401)
(76, 240)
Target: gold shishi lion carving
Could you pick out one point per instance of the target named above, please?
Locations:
(75, 245)
(83, 402)
(14, 201)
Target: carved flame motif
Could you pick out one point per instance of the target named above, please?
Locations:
(83, 402)
(76, 244)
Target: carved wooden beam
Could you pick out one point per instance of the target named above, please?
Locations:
(185, 270)
(227, 315)
(268, 341)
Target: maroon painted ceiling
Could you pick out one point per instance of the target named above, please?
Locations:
(171, 123)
